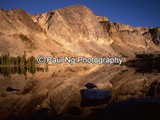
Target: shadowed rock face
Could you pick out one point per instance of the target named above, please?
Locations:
(155, 34)
(154, 90)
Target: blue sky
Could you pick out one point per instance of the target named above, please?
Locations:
(132, 12)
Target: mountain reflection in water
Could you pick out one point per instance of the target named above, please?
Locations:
(63, 84)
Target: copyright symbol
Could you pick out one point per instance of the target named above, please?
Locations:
(41, 59)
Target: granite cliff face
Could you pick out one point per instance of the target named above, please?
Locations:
(72, 29)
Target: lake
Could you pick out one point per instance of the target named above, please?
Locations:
(54, 91)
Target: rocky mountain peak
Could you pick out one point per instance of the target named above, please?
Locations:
(77, 29)
(102, 18)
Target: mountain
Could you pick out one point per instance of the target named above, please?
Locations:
(72, 30)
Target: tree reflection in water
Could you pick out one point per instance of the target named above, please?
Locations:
(6, 71)
(145, 63)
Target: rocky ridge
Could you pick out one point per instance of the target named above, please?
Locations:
(72, 29)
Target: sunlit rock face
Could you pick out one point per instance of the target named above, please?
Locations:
(72, 24)
(72, 29)
(77, 28)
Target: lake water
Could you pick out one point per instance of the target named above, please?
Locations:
(29, 91)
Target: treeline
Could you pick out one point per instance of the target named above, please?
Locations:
(19, 60)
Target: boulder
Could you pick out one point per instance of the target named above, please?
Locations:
(93, 97)
(90, 85)
(10, 89)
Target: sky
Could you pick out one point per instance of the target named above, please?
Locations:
(132, 12)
